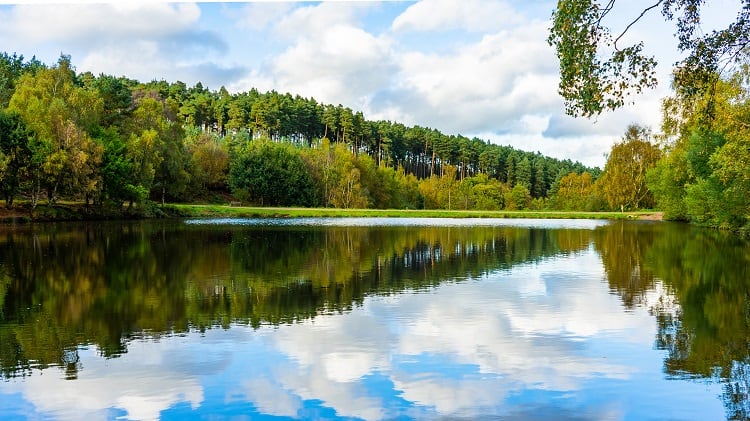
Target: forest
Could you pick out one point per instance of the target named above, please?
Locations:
(112, 141)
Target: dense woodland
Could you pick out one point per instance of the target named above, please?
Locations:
(113, 141)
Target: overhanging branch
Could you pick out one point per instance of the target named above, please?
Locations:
(643, 13)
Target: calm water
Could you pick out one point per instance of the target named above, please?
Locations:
(374, 319)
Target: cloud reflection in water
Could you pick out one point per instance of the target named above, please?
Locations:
(543, 338)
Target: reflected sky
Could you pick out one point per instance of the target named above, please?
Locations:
(401, 222)
(542, 340)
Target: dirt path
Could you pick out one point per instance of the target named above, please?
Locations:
(656, 216)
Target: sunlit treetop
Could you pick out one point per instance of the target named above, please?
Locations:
(597, 73)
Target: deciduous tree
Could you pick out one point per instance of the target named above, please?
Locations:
(14, 155)
(623, 182)
(61, 115)
(574, 192)
(703, 176)
(271, 174)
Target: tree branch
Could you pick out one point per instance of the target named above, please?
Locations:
(646, 10)
(606, 10)
(739, 49)
(740, 122)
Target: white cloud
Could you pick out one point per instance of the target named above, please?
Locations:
(553, 133)
(504, 87)
(259, 16)
(489, 85)
(144, 41)
(127, 62)
(344, 367)
(473, 72)
(349, 399)
(457, 398)
(503, 328)
(270, 398)
(342, 64)
(469, 15)
(308, 22)
(329, 56)
(92, 23)
(590, 150)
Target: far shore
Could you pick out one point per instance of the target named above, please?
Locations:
(80, 212)
(276, 212)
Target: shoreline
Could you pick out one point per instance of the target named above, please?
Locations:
(80, 212)
(213, 211)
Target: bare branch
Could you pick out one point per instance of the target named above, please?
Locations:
(606, 10)
(646, 10)
(740, 48)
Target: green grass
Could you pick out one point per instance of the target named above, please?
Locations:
(214, 211)
(71, 211)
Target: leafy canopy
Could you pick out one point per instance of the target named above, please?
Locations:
(597, 74)
(704, 176)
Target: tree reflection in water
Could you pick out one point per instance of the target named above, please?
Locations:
(703, 321)
(66, 286)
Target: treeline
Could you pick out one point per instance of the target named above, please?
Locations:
(113, 140)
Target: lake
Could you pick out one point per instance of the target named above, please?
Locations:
(374, 319)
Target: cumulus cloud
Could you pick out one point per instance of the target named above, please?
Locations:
(329, 56)
(588, 140)
(469, 15)
(270, 398)
(258, 16)
(502, 88)
(143, 41)
(310, 21)
(342, 64)
(489, 85)
(92, 22)
(128, 63)
(589, 149)
(519, 331)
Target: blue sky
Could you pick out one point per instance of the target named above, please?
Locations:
(472, 67)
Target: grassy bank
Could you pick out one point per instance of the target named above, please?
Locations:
(214, 211)
(79, 212)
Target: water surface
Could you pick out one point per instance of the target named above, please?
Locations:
(373, 319)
